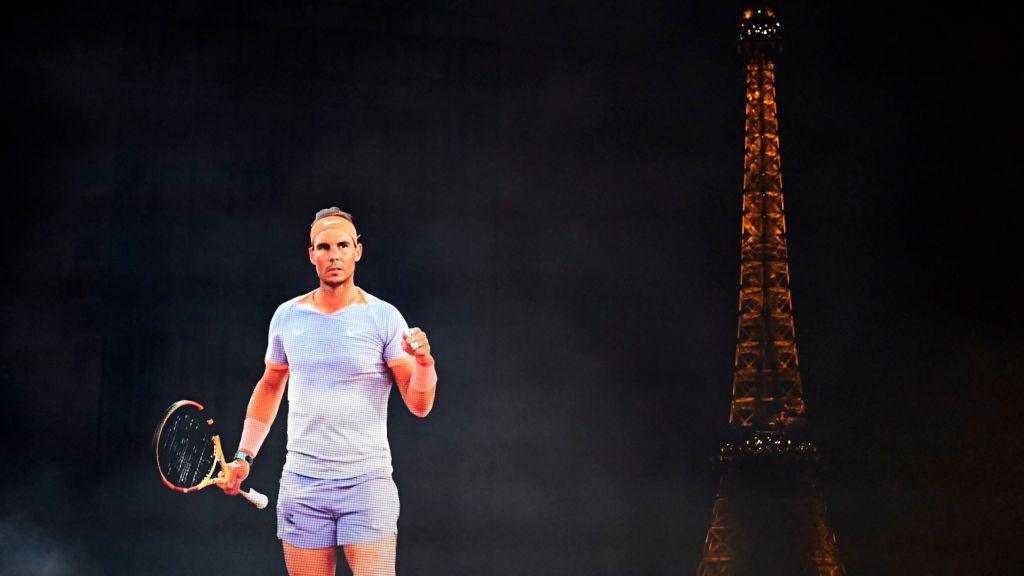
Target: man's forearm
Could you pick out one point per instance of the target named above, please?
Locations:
(422, 386)
(263, 406)
(265, 401)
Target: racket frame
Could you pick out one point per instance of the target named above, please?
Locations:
(218, 454)
(257, 499)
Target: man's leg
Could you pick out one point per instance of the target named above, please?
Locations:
(373, 559)
(310, 561)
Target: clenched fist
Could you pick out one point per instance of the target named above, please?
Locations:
(414, 342)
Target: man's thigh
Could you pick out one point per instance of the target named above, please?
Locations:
(310, 561)
(373, 559)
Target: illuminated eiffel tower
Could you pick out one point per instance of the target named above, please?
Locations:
(769, 513)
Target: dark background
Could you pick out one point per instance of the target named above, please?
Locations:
(552, 193)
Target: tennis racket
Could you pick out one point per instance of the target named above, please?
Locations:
(188, 452)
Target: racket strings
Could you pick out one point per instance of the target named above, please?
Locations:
(186, 449)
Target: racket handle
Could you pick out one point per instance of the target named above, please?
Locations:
(258, 500)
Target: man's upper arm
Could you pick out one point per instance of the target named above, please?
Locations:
(276, 356)
(394, 327)
(401, 368)
(275, 374)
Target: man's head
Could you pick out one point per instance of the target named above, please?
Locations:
(334, 246)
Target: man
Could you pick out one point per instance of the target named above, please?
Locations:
(340, 347)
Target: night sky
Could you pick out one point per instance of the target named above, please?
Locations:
(552, 192)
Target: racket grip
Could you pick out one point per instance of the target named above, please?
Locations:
(258, 500)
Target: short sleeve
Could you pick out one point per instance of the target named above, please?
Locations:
(394, 326)
(275, 342)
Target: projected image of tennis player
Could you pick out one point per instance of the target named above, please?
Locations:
(341, 348)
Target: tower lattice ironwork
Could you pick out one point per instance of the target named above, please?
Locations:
(769, 515)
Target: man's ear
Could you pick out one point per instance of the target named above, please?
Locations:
(359, 251)
(311, 259)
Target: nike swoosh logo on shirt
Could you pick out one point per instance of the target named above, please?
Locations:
(298, 331)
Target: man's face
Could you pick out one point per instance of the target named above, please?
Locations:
(335, 256)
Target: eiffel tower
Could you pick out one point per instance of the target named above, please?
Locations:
(769, 513)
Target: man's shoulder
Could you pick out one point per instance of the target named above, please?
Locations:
(379, 304)
(285, 306)
(289, 302)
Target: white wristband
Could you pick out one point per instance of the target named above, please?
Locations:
(254, 432)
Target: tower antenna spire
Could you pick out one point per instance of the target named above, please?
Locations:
(767, 393)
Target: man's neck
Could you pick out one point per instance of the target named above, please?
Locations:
(330, 299)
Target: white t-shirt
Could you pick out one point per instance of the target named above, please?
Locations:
(339, 383)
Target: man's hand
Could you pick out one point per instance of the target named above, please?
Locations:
(238, 471)
(414, 342)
